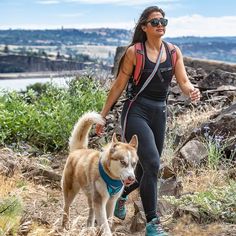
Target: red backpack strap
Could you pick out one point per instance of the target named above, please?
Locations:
(173, 54)
(140, 61)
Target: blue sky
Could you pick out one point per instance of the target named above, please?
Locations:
(186, 17)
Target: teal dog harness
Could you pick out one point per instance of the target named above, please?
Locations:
(113, 185)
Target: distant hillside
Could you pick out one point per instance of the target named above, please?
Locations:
(214, 48)
(103, 36)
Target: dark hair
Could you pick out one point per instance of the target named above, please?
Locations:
(139, 35)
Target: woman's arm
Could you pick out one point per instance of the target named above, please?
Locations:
(181, 76)
(121, 81)
(119, 84)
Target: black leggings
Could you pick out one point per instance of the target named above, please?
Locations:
(147, 119)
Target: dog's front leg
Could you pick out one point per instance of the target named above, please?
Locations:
(110, 209)
(111, 206)
(101, 215)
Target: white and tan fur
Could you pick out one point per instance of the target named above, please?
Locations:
(81, 171)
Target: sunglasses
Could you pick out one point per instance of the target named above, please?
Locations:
(155, 22)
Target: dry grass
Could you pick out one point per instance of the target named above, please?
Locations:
(7, 185)
(183, 125)
(204, 179)
(38, 230)
(185, 227)
(10, 202)
(193, 118)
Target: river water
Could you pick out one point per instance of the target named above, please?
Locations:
(21, 84)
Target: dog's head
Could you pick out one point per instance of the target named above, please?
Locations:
(121, 159)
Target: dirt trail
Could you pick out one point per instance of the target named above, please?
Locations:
(42, 205)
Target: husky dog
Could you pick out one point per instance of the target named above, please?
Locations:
(101, 175)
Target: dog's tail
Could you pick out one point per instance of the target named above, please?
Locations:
(79, 135)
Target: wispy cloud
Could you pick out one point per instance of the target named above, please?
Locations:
(192, 25)
(48, 2)
(122, 2)
(198, 25)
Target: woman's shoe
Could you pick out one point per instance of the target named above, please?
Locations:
(154, 228)
(120, 209)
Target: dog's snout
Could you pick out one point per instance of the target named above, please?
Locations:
(131, 178)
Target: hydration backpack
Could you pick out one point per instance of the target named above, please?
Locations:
(140, 59)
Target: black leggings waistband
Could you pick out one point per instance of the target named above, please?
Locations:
(150, 102)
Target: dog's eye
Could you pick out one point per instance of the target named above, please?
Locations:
(123, 163)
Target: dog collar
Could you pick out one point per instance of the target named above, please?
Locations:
(113, 185)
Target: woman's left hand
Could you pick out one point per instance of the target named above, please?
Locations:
(195, 95)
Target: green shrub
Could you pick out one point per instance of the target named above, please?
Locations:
(39, 88)
(219, 203)
(45, 120)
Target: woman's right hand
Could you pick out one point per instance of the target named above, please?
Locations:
(99, 129)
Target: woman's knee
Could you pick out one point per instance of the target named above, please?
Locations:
(151, 166)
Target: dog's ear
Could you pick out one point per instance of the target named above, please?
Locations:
(114, 139)
(113, 147)
(134, 141)
(115, 143)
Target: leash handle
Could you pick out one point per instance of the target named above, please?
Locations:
(143, 87)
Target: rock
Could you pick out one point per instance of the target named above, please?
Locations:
(164, 207)
(232, 173)
(226, 88)
(179, 164)
(46, 175)
(175, 90)
(138, 222)
(209, 65)
(170, 187)
(118, 54)
(187, 210)
(8, 162)
(138, 206)
(193, 152)
(191, 72)
(166, 171)
(25, 227)
(218, 78)
(222, 128)
(231, 110)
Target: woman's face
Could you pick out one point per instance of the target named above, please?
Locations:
(154, 29)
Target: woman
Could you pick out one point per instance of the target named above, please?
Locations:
(146, 116)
